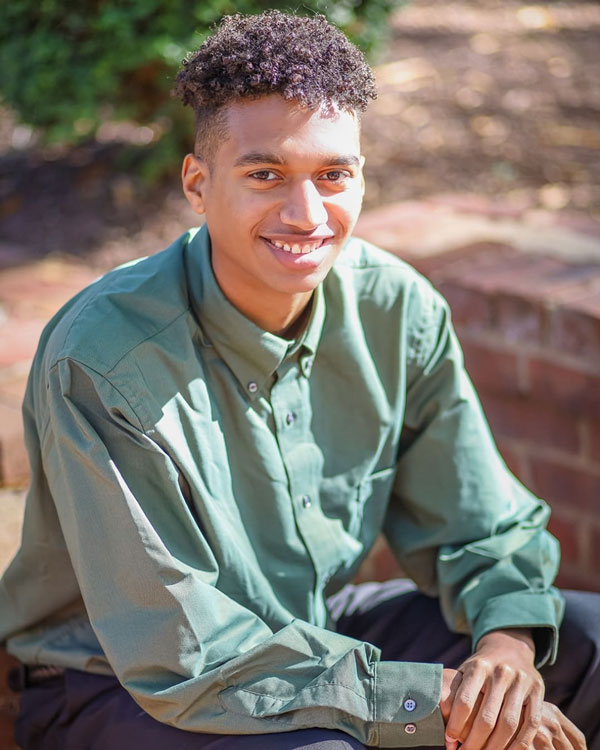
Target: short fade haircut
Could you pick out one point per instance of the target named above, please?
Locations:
(302, 58)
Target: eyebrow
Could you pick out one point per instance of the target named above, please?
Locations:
(264, 157)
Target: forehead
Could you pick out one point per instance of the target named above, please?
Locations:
(273, 125)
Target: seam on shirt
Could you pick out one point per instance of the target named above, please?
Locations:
(110, 383)
(302, 690)
(151, 336)
(138, 343)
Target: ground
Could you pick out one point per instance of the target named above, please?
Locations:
(496, 99)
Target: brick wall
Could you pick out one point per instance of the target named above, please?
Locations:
(530, 330)
(529, 325)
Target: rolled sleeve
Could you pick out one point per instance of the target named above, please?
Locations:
(460, 523)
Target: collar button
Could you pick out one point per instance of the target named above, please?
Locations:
(252, 386)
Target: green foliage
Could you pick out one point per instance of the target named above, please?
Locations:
(68, 65)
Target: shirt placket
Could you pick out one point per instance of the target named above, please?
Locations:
(302, 459)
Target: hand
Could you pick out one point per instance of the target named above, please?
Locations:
(451, 680)
(556, 732)
(498, 701)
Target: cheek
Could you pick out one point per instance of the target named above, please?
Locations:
(346, 207)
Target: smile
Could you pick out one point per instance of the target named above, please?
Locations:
(297, 248)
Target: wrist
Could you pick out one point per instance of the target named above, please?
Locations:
(518, 639)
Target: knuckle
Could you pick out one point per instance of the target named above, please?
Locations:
(535, 719)
(553, 725)
(488, 719)
(531, 726)
(465, 700)
(482, 664)
(501, 670)
(510, 721)
(521, 676)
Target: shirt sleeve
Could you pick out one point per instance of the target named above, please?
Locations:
(462, 526)
(188, 654)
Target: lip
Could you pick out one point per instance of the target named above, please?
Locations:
(290, 239)
(299, 261)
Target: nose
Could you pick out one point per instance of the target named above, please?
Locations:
(303, 206)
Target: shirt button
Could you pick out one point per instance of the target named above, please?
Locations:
(252, 386)
(290, 417)
(409, 704)
(306, 502)
(410, 728)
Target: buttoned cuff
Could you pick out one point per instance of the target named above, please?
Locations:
(541, 612)
(407, 697)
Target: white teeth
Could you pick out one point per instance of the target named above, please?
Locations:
(295, 248)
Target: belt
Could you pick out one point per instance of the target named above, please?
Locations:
(24, 675)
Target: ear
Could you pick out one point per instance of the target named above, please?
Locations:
(362, 177)
(194, 178)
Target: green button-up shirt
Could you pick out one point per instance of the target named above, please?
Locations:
(200, 486)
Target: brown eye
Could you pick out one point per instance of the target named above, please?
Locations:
(336, 175)
(264, 175)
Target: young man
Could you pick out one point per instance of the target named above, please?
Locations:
(217, 435)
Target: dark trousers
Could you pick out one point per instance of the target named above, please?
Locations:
(81, 711)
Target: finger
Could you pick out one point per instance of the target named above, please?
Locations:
(560, 741)
(574, 735)
(451, 743)
(469, 725)
(484, 719)
(530, 724)
(465, 699)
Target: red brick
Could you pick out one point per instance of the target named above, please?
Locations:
(14, 466)
(491, 370)
(594, 431)
(573, 577)
(534, 277)
(531, 421)
(498, 269)
(576, 330)
(567, 533)
(470, 308)
(566, 487)
(519, 319)
(513, 458)
(595, 550)
(573, 390)
(453, 264)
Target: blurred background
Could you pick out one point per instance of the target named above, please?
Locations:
(493, 98)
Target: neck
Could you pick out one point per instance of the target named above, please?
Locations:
(285, 319)
(282, 314)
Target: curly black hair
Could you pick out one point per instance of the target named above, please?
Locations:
(302, 58)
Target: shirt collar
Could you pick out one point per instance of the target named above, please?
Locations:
(253, 355)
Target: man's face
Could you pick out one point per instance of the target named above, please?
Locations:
(281, 197)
